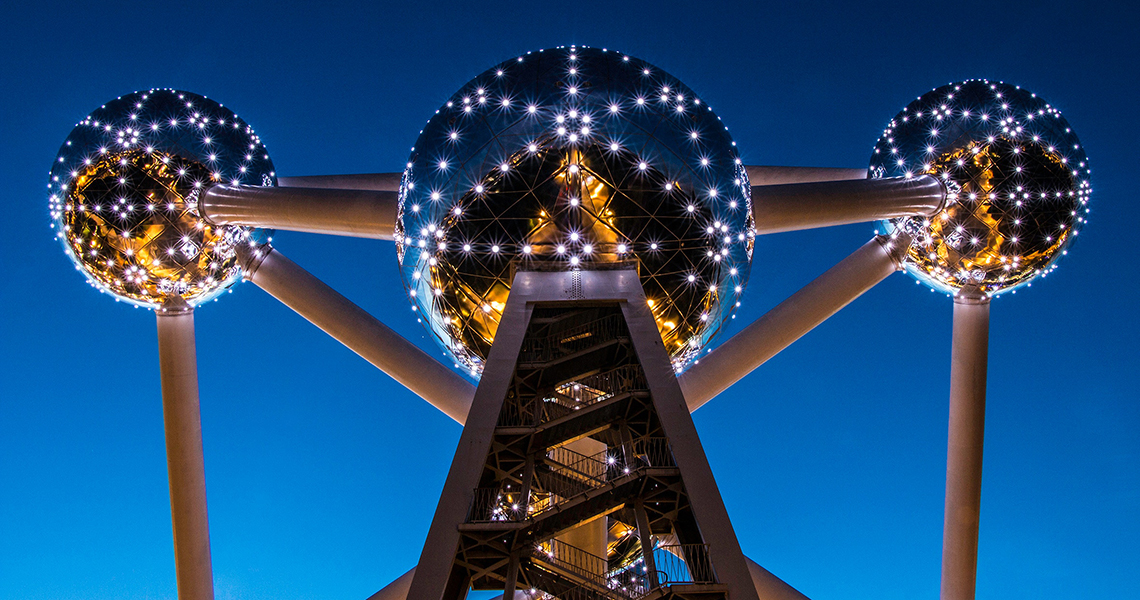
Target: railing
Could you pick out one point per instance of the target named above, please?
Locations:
(522, 412)
(583, 564)
(568, 475)
(685, 563)
(600, 386)
(570, 340)
(553, 489)
(638, 583)
(573, 395)
(491, 504)
(651, 452)
(578, 466)
(605, 466)
(676, 564)
(562, 558)
(581, 592)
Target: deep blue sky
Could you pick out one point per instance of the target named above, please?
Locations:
(323, 474)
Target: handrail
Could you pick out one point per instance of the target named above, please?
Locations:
(573, 395)
(563, 482)
(585, 565)
(600, 386)
(652, 452)
(592, 570)
(570, 340)
(685, 563)
(491, 504)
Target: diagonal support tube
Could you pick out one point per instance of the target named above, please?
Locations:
(359, 331)
(178, 362)
(791, 319)
(968, 358)
(792, 207)
(348, 212)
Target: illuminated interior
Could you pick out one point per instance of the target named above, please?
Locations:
(130, 219)
(567, 158)
(124, 195)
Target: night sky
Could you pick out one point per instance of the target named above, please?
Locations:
(323, 473)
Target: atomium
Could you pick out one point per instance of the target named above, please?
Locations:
(556, 169)
(124, 195)
(1018, 180)
(574, 157)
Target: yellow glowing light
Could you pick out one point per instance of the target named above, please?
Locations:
(134, 228)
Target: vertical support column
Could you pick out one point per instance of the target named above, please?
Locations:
(512, 577)
(179, 366)
(646, 538)
(527, 483)
(964, 449)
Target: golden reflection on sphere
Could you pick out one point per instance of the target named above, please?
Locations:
(124, 195)
(1018, 179)
(569, 158)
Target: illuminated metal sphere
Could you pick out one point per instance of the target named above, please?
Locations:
(565, 158)
(124, 191)
(1018, 181)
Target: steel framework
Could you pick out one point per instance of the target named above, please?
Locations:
(579, 474)
(474, 514)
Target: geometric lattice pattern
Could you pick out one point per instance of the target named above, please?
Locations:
(578, 375)
(124, 195)
(1018, 182)
(574, 156)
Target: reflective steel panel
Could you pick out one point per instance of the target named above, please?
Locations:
(1018, 179)
(567, 158)
(124, 195)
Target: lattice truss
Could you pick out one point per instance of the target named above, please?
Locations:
(579, 385)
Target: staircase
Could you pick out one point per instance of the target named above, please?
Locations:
(568, 485)
(578, 376)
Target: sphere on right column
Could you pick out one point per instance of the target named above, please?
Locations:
(1018, 182)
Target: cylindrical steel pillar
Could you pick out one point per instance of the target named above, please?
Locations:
(968, 357)
(793, 207)
(791, 319)
(758, 175)
(361, 332)
(179, 367)
(355, 213)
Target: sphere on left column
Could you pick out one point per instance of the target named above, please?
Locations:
(124, 195)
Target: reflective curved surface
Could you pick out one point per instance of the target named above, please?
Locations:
(124, 195)
(1018, 179)
(573, 158)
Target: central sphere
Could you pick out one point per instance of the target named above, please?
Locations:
(567, 158)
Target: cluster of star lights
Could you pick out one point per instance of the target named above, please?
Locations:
(124, 195)
(1018, 180)
(564, 159)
